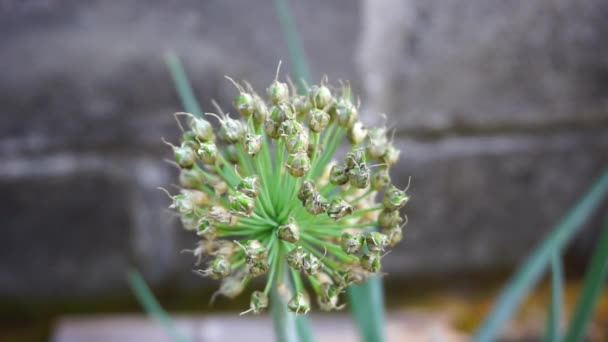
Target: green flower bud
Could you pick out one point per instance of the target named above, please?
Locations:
(219, 215)
(207, 152)
(182, 204)
(297, 142)
(377, 142)
(184, 156)
(357, 133)
(278, 115)
(320, 96)
(201, 129)
(316, 204)
(391, 156)
(328, 297)
(231, 154)
(301, 105)
(318, 120)
(370, 262)
(338, 175)
(232, 131)
(289, 232)
(351, 243)
(295, 258)
(394, 235)
(359, 176)
(346, 113)
(380, 179)
(258, 302)
(307, 189)
(252, 144)
(299, 304)
(260, 111)
(354, 158)
(376, 242)
(394, 198)
(190, 178)
(310, 264)
(389, 218)
(298, 164)
(249, 186)
(256, 268)
(290, 127)
(244, 103)
(255, 250)
(272, 128)
(241, 204)
(278, 92)
(338, 208)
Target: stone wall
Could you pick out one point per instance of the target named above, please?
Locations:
(501, 110)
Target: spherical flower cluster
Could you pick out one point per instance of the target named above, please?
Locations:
(266, 198)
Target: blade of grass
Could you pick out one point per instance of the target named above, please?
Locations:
(182, 84)
(594, 281)
(554, 314)
(532, 269)
(151, 306)
(367, 307)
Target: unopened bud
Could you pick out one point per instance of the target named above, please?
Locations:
(338, 208)
(376, 242)
(380, 179)
(357, 133)
(316, 204)
(252, 144)
(184, 156)
(258, 302)
(298, 164)
(249, 186)
(359, 176)
(370, 262)
(351, 243)
(389, 218)
(241, 204)
(318, 120)
(207, 152)
(394, 198)
(310, 264)
(289, 232)
(338, 175)
(295, 258)
(307, 189)
(376, 145)
(299, 304)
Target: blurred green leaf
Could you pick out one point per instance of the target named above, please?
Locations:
(595, 278)
(532, 269)
(554, 314)
(182, 85)
(150, 305)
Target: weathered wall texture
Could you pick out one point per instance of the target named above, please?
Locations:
(501, 109)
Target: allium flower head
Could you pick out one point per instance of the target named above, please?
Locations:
(268, 198)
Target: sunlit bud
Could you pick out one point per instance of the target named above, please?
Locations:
(256, 268)
(252, 144)
(394, 235)
(320, 96)
(295, 258)
(376, 242)
(357, 133)
(310, 264)
(207, 152)
(338, 175)
(370, 262)
(307, 189)
(258, 302)
(377, 142)
(389, 218)
(359, 176)
(354, 158)
(318, 120)
(249, 186)
(190, 178)
(380, 179)
(289, 232)
(299, 304)
(351, 243)
(346, 113)
(201, 129)
(391, 156)
(338, 208)
(394, 198)
(241, 204)
(328, 298)
(298, 164)
(184, 156)
(232, 131)
(297, 142)
(316, 204)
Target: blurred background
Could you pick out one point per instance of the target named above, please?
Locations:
(500, 109)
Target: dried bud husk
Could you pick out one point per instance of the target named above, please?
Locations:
(376, 242)
(295, 258)
(184, 156)
(377, 142)
(299, 304)
(249, 186)
(394, 198)
(258, 302)
(329, 297)
(357, 133)
(255, 251)
(370, 262)
(219, 268)
(310, 264)
(318, 120)
(230, 287)
(380, 179)
(289, 232)
(338, 208)
(241, 204)
(389, 218)
(232, 131)
(252, 144)
(316, 204)
(207, 152)
(256, 268)
(202, 129)
(298, 164)
(351, 243)
(338, 175)
(391, 156)
(359, 176)
(219, 215)
(307, 189)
